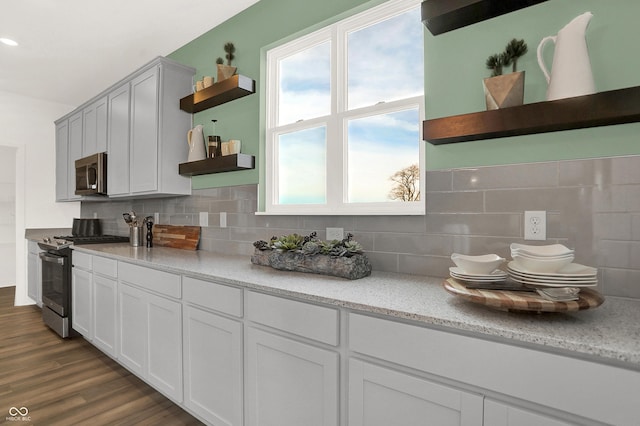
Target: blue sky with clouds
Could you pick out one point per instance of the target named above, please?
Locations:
(385, 64)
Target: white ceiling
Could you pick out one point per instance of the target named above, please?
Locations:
(70, 50)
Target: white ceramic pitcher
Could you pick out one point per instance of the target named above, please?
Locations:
(571, 70)
(195, 138)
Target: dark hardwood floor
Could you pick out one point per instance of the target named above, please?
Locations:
(68, 381)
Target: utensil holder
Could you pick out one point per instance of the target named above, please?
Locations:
(135, 236)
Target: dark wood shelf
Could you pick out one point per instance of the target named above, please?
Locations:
(600, 109)
(226, 163)
(227, 90)
(440, 16)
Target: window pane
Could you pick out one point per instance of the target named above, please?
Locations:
(302, 167)
(382, 150)
(305, 85)
(385, 61)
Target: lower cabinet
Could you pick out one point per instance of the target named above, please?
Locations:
(34, 273)
(105, 313)
(290, 383)
(213, 366)
(380, 397)
(81, 302)
(151, 338)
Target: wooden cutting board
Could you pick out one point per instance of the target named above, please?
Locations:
(176, 236)
(518, 301)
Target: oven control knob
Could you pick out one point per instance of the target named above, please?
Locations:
(46, 239)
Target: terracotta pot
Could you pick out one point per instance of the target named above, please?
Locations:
(225, 71)
(504, 91)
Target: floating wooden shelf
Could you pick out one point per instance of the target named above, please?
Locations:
(440, 16)
(226, 163)
(227, 90)
(600, 109)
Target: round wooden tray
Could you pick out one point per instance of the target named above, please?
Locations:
(523, 301)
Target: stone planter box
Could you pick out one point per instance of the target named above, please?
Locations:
(354, 267)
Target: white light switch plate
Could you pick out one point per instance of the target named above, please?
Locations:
(204, 218)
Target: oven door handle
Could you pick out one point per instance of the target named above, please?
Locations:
(53, 259)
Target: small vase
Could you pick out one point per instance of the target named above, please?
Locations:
(504, 91)
(225, 71)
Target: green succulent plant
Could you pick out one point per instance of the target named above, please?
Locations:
(514, 50)
(289, 242)
(311, 245)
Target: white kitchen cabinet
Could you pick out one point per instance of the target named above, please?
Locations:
(119, 105)
(34, 273)
(139, 123)
(132, 320)
(68, 150)
(292, 379)
(151, 327)
(213, 351)
(213, 366)
(290, 383)
(381, 396)
(82, 295)
(143, 155)
(62, 160)
(498, 413)
(105, 305)
(95, 127)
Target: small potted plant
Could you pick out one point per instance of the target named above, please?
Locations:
(226, 71)
(502, 91)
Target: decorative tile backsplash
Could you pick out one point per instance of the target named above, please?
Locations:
(592, 205)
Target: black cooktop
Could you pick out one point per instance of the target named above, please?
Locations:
(94, 239)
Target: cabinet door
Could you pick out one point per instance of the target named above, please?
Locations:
(34, 277)
(95, 127)
(165, 345)
(290, 383)
(380, 397)
(132, 348)
(144, 132)
(501, 414)
(75, 152)
(62, 161)
(81, 301)
(213, 366)
(105, 298)
(118, 141)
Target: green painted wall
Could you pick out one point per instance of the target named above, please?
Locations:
(454, 68)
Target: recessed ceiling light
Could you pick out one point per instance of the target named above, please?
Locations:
(8, 42)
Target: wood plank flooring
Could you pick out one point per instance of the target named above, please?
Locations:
(69, 381)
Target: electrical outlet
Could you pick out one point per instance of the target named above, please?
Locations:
(156, 217)
(204, 218)
(223, 219)
(535, 225)
(335, 234)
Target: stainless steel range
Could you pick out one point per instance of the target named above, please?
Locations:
(56, 271)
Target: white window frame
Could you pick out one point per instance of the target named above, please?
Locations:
(336, 153)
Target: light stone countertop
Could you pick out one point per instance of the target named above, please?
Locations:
(609, 333)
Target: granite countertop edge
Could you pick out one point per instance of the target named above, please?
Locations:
(609, 333)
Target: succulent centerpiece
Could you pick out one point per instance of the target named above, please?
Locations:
(294, 252)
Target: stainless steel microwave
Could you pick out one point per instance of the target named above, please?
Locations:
(91, 175)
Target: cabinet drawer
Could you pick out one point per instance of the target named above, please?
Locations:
(214, 296)
(106, 267)
(151, 279)
(304, 319)
(81, 260)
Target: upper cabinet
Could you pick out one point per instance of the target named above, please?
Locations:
(139, 124)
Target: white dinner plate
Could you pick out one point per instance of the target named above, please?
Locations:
(555, 283)
(479, 280)
(460, 272)
(550, 279)
(572, 270)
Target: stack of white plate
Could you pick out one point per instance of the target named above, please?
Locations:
(550, 266)
(479, 269)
